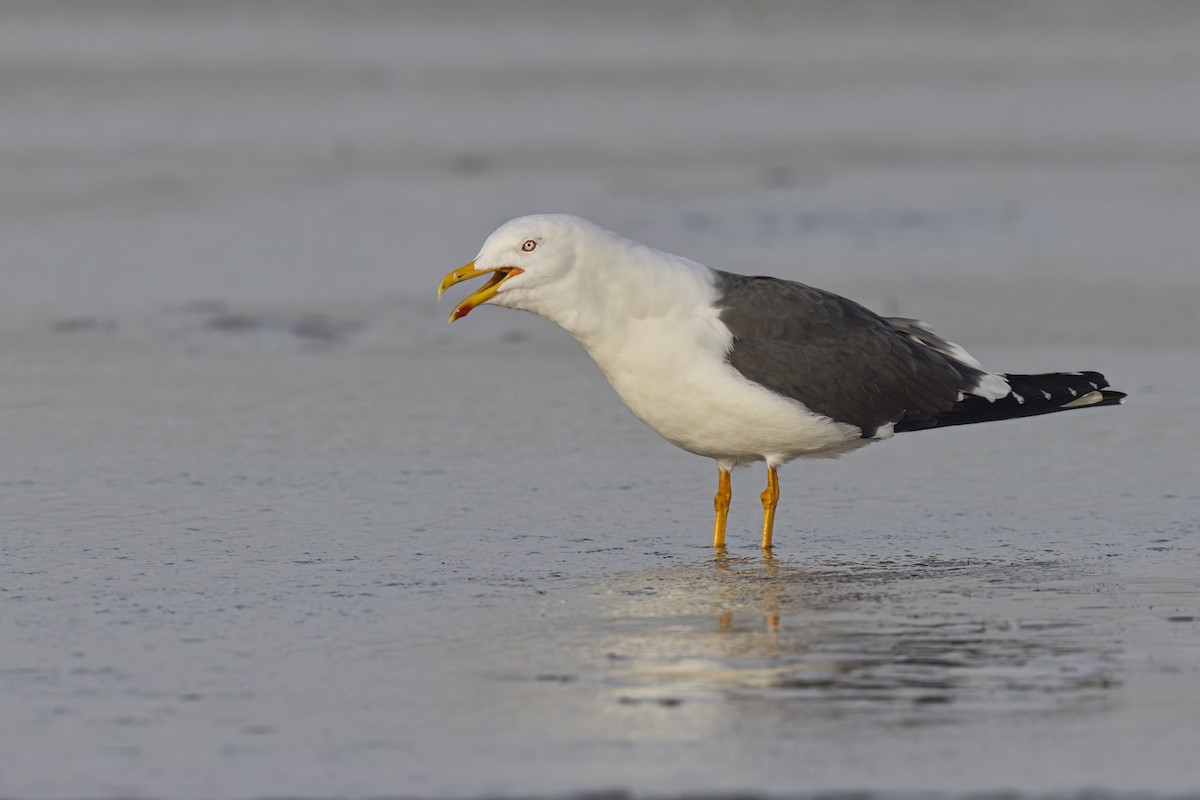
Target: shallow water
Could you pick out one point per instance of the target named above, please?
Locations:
(268, 526)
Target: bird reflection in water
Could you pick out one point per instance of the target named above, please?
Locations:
(926, 640)
(770, 590)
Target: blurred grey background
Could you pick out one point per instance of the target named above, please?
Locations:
(162, 152)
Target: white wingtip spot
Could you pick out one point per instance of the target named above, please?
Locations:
(1091, 398)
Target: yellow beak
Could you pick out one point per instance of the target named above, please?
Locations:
(465, 273)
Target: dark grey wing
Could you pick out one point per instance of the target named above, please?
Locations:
(834, 356)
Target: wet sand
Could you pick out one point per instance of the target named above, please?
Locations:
(270, 527)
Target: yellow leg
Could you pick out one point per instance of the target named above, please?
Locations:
(721, 503)
(770, 497)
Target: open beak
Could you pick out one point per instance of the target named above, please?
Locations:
(465, 273)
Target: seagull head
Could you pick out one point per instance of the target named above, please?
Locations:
(526, 257)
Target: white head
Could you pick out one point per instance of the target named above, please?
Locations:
(533, 264)
(578, 275)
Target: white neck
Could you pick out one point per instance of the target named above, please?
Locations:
(613, 287)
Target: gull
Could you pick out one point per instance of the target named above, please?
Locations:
(744, 369)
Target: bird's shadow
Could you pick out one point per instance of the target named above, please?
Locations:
(920, 640)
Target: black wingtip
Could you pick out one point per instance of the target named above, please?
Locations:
(1032, 395)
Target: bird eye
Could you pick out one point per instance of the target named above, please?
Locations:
(529, 245)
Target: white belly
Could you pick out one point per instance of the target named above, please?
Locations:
(678, 382)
